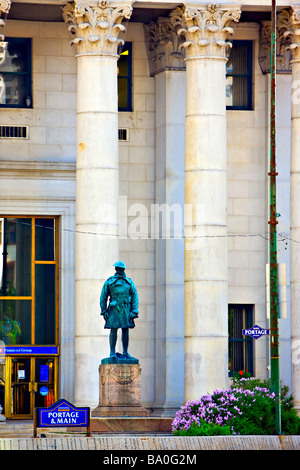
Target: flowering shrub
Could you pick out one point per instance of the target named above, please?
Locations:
(236, 411)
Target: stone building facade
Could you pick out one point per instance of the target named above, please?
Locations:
(176, 185)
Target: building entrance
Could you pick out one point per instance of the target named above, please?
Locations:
(29, 382)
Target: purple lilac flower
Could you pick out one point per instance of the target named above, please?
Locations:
(217, 407)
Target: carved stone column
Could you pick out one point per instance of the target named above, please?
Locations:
(283, 108)
(95, 27)
(166, 62)
(294, 35)
(283, 55)
(205, 29)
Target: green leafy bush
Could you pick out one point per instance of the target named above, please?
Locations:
(206, 429)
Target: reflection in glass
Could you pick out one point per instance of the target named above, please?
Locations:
(45, 239)
(15, 321)
(13, 89)
(15, 257)
(3, 53)
(45, 304)
(15, 70)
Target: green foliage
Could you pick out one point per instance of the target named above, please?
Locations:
(206, 429)
(248, 408)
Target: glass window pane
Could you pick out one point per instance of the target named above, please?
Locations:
(229, 91)
(125, 78)
(44, 239)
(123, 64)
(15, 73)
(15, 321)
(238, 60)
(15, 257)
(44, 375)
(45, 304)
(123, 92)
(14, 56)
(240, 348)
(240, 91)
(13, 89)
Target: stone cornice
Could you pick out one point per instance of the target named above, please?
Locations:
(38, 170)
(163, 46)
(205, 29)
(95, 26)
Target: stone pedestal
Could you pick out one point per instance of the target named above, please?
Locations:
(120, 391)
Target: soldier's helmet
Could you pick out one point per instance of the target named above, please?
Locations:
(120, 264)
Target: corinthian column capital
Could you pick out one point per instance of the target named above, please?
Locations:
(283, 54)
(95, 25)
(206, 29)
(163, 46)
(293, 33)
(4, 9)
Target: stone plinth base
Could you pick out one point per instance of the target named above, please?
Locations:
(133, 425)
(120, 391)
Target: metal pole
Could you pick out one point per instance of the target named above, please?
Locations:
(274, 306)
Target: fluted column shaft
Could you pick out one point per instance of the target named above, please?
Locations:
(294, 35)
(166, 61)
(95, 27)
(206, 284)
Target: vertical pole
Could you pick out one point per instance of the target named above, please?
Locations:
(274, 307)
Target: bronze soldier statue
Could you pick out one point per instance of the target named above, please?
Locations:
(119, 306)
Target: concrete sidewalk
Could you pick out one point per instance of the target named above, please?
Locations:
(151, 443)
(17, 435)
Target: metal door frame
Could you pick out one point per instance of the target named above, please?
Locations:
(32, 384)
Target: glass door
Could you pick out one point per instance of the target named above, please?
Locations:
(2, 383)
(31, 382)
(21, 388)
(46, 381)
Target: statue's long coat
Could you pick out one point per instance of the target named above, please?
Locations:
(119, 298)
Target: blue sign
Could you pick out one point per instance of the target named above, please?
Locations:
(256, 332)
(44, 373)
(44, 391)
(24, 350)
(63, 413)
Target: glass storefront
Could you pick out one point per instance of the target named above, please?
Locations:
(28, 311)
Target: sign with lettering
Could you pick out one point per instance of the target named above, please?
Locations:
(24, 350)
(62, 414)
(256, 332)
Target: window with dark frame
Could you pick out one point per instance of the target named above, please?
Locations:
(240, 348)
(125, 78)
(15, 73)
(239, 76)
